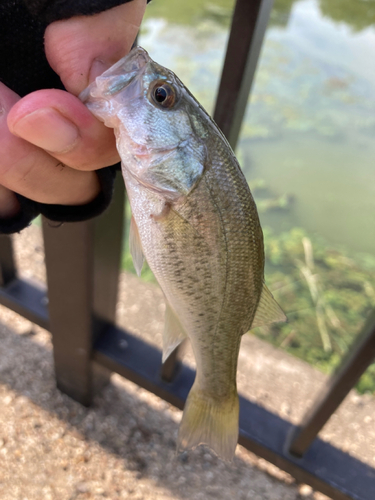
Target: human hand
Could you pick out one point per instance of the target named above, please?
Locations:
(51, 144)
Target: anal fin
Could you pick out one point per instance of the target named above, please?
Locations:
(173, 334)
(268, 310)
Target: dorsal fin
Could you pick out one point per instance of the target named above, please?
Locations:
(268, 310)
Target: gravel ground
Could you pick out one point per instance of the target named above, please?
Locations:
(124, 445)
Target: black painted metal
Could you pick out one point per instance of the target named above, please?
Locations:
(69, 261)
(140, 362)
(83, 264)
(359, 357)
(324, 467)
(27, 298)
(7, 264)
(249, 24)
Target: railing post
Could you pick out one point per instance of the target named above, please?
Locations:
(7, 265)
(359, 357)
(250, 19)
(83, 261)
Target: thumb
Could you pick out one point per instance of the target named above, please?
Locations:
(81, 48)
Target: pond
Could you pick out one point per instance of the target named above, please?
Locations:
(307, 149)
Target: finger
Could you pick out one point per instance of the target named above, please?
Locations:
(59, 123)
(81, 48)
(31, 172)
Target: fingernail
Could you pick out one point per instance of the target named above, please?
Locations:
(47, 129)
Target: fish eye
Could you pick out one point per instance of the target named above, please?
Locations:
(163, 94)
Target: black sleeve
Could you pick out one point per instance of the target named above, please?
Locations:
(56, 10)
(24, 69)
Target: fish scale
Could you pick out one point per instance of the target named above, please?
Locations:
(196, 224)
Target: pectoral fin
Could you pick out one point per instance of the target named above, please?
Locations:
(135, 247)
(173, 334)
(268, 310)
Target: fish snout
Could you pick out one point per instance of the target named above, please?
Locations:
(119, 76)
(132, 63)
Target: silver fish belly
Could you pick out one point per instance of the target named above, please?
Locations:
(195, 222)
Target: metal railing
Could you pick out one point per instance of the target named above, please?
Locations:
(83, 265)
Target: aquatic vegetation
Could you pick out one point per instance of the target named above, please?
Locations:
(283, 202)
(327, 295)
(189, 13)
(358, 15)
(303, 94)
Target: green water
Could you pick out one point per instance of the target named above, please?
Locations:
(333, 187)
(307, 149)
(309, 128)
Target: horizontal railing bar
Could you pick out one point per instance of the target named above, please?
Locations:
(324, 467)
(27, 298)
(140, 363)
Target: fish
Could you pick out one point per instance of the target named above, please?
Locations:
(195, 222)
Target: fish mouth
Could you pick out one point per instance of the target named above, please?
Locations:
(131, 63)
(120, 75)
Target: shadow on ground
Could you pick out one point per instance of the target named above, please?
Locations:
(121, 447)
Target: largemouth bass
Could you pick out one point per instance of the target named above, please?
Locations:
(196, 223)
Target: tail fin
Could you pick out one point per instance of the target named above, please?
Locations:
(210, 421)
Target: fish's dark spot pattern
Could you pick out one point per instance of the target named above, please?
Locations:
(208, 255)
